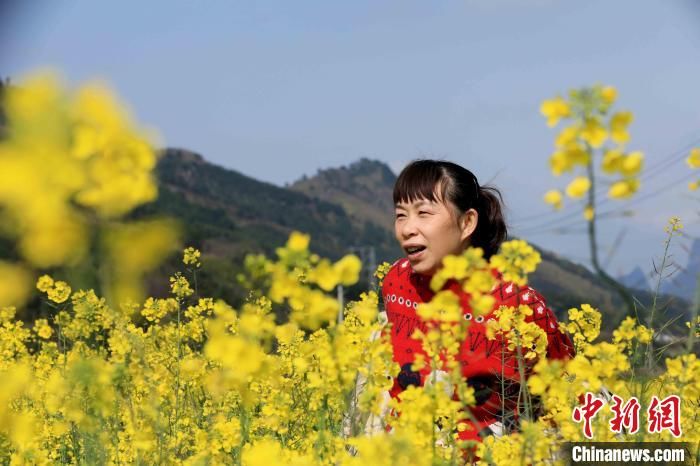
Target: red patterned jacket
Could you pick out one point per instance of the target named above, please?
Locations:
(481, 358)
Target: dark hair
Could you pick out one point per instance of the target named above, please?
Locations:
(421, 179)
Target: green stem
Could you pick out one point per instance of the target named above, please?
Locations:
(693, 317)
(243, 417)
(593, 243)
(177, 367)
(652, 312)
(523, 383)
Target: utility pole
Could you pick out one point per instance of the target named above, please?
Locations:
(368, 258)
(341, 306)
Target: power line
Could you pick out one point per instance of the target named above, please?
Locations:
(611, 212)
(649, 173)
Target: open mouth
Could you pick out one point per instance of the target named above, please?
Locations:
(414, 251)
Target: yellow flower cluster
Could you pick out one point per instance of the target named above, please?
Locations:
(576, 144)
(674, 226)
(200, 381)
(180, 286)
(191, 257)
(583, 325)
(70, 164)
(381, 272)
(525, 337)
(515, 260)
(630, 333)
(57, 291)
(694, 326)
(693, 162)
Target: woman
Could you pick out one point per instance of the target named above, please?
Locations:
(441, 210)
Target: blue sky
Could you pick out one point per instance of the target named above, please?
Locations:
(280, 89)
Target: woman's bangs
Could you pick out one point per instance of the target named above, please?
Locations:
(419, 182)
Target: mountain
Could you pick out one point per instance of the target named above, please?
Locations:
(229, 215)
(364, 189)
(635, 279)
(683, 281)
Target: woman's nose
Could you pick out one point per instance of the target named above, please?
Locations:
(408, 228)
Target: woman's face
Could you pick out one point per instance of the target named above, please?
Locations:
(428, 231)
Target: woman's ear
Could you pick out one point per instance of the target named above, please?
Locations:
(468, 223)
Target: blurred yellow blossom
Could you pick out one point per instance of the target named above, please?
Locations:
(348, 269)
(609, 94)
(693, 159)
(567, 136)
(612, 161)
(623, 189)
(578, 187)
(553, 197)
(554, 110)
(593, 132)
(298, 241)
(632, 164)
(15, 283)
(618, 126)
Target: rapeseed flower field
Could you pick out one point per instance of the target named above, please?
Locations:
(111, 376)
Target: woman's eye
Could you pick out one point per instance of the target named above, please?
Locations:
(400, 215)
(423, 212)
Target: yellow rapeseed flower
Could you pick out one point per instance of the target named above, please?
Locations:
(60, 292)
(618, 126)
(15, 283)
(119, 161)
(612, 161)
(43, 329)
(594, 133)
(44, 283)
(348, 270)
(674, 225)
(382, 270)
(623, 189)
(693, 159)
(453, 267)
(554, 198)
(515, 260)
(559, 163)
(554, 110)
(632, 164)
(298, 241)
(567, 136)
(325, 275)
(444, 307)
(191, 257)
(609, 94)
(588, 213)
(179, 286)
(578, 187)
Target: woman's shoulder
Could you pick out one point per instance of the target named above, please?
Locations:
(400, 267)
(399, 275)
(511, 294)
